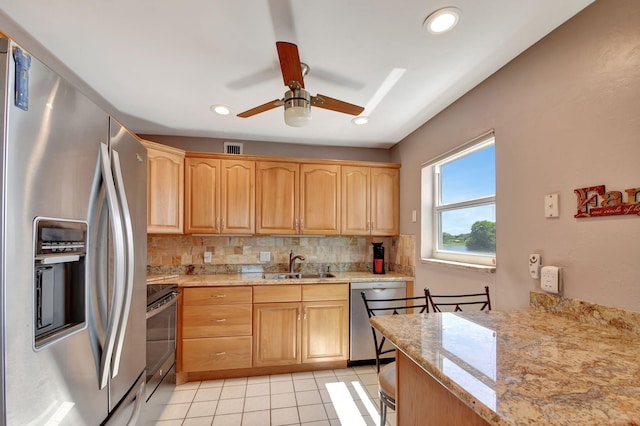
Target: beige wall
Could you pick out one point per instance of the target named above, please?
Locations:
(566, 115)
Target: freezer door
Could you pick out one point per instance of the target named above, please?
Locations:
(129, 161)
(50, 154)
(130, 410)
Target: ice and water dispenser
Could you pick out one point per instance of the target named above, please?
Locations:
(59, 278)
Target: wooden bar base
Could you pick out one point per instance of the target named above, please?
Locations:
(421, 400)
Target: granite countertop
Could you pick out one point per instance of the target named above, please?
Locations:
(526, 367)
(257, 278)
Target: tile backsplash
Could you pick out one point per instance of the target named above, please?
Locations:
(184, 254)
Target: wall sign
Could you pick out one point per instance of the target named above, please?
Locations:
(594, 201)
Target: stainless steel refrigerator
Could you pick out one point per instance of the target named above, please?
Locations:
(73, 259)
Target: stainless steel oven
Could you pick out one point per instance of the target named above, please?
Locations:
(161, 346)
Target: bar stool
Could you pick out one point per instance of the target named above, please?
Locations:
(456, 302)
(387, 373)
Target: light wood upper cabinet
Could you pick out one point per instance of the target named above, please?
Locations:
(294, 198)
(319, 199)
(202, 198)
(277, 197)
(355, 200)
(237, 198)
(165, 189)
(370, 200)
(220, 196)
(385, 201)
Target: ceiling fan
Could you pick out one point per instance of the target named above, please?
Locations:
(297, 101)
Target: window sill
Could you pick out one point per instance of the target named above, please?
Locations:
(460, 265)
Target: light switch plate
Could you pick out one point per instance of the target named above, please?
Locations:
(207, 257)
(551, 205)
(265, 256)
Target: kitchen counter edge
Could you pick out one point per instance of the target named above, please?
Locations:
(257, 279)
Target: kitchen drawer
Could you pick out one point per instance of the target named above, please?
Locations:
(325, 292)
(277, 293)
(218, 353)
(216, 295)
(216, 321)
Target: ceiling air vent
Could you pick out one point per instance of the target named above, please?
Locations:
(232, 148)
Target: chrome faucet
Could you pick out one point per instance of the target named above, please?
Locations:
(292, 260)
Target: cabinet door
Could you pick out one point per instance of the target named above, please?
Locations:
(202, 201)
(276, 334)
(325, 333)
(165, 189)
(355, 200)
(320, 199)
(276, 198)
(238, 207)
(385, 201)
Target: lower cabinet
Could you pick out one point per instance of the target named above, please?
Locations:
(325, 331)
(216, 328)
(276, 336)
(313, 328)
(244, 327)
(218, 353)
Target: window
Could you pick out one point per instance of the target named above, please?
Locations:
(459, 204)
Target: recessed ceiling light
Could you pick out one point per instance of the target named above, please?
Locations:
(220, 109)
(442, 20)
(359, 121)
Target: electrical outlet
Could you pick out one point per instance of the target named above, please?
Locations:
(535, 261)
(265, 256)
(207, 257)
(551, 279)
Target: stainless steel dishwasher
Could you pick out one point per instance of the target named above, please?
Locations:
(361, 349)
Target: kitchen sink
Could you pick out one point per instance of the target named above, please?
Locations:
(287, 275)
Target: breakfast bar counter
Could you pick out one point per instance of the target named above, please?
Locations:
(521, 367)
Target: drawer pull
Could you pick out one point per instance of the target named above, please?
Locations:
(219, 320)
(214, 354)
(219, 296)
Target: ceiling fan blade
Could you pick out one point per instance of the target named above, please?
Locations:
(282, 19)
(322, 101)
(290, 63)
(262, 108)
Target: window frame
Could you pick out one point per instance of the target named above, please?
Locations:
(435, 251)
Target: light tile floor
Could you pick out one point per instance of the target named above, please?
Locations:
(319, 398)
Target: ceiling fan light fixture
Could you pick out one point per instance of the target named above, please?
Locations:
(297, 108)
(221, 109)
(442, 20)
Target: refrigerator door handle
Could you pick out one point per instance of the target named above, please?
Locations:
(129, 258)
(119, 268)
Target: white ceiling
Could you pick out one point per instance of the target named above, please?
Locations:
(163, 63)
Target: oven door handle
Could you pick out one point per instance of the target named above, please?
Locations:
(154, 312)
